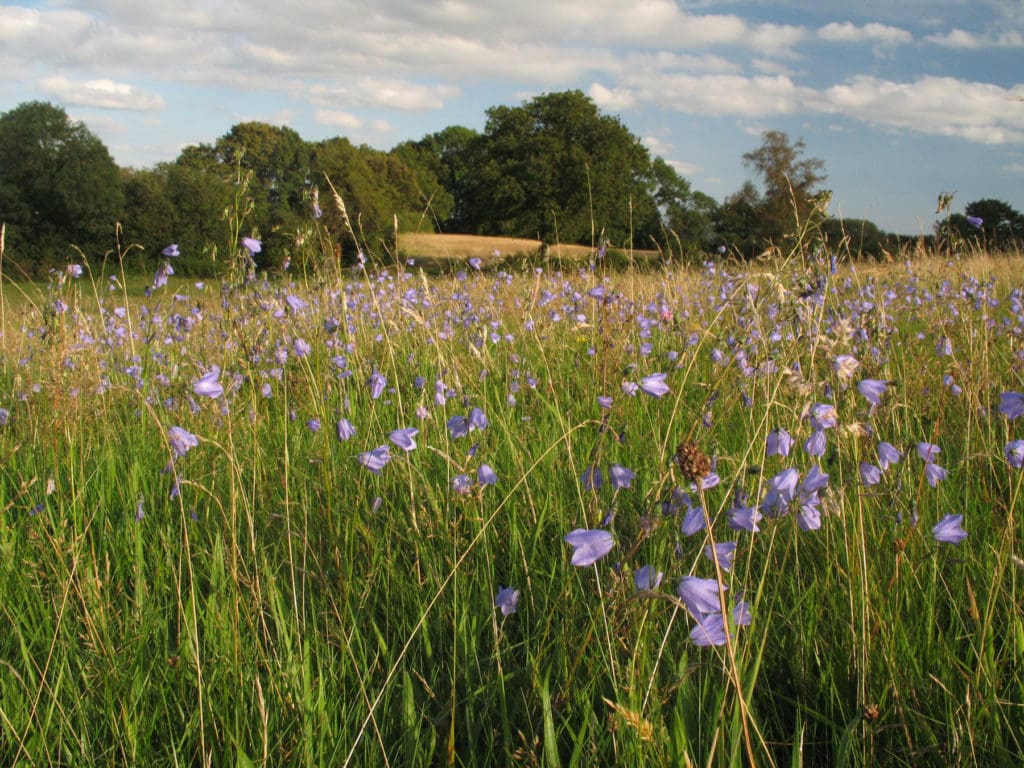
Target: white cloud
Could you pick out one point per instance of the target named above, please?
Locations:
(337, 119)
(978, 112)
(718, 95)
(611, 99)
(382, 93)
(102, 94)
(959, 38)
(1015, 167)
(684, 168)
(848, 32)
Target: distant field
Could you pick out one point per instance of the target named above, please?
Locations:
(437, 247)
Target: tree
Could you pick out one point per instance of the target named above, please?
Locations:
(860, 236)
(59, 187)
(557, 169)
(738, 223)
(790, 183)
(441, 162)
(687, 214)
(181, 202)
(1001, 225)
(374, 186)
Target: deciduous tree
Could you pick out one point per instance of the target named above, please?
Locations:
(790, 182)
(59, 187)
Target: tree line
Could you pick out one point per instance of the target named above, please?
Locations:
(553, 168)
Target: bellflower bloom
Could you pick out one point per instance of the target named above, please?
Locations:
(252, 245)
(709, 630)
(933, 473)
(604, 402)
(743, 518)
(345, 430)
(589, 546)
(181, 441)
(75, 270)
(314, 425)
(458, 426)
(823, 416)
(741, 613)
(404, 438)
(462, 483)
(870, 474)
(592, 478)
(693, 520)
(630, 388)
(296, 305)
(1011, 404)
(700, 596)
(887, 455)
(208, 386)
(376, 383)
(620, 477)
(724, 551)
(1014, 452)
(815, 444)
(781, 491)
(949, 530)
(872, 390)
(507, 600)
(928, 451)
(477, 419)
(975, 221)
(485, 475)
(808, 517)
(814, 481)
(646, 579)
(654, 385)
(376, 459)
(778, 443)
(171, 251)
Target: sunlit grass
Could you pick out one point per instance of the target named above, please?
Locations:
(264, 598)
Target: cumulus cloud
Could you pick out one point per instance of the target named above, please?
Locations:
(337, 119)
(848, 32)
(959, 38)
(379, 92)
(718, 95)
(102, 94)
(977, 112)
(944, 106)
(611, 99)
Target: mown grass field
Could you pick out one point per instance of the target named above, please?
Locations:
(296, 523)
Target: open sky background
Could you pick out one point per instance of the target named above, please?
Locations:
(902, 99)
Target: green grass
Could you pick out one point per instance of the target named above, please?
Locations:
(274, 613)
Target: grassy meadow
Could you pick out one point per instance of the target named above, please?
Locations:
(324, 522)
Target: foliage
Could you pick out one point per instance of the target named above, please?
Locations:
(59, 188)
(790, 183)
(858, 237)
(555, 168)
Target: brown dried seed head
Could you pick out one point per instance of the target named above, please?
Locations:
(692, 461)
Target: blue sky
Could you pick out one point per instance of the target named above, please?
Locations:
(902, 99)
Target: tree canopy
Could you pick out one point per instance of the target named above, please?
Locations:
(59, 187)
(554, 167)
(790, 182)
